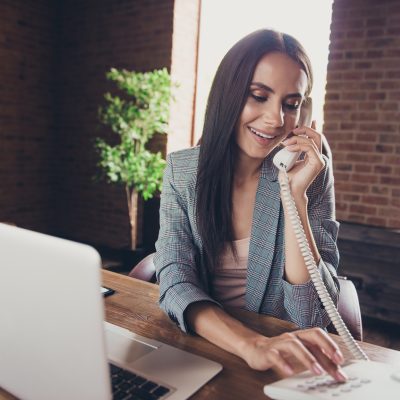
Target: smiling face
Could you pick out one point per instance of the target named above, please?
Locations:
(272, 108)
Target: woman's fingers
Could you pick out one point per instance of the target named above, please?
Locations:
(301, 143)
(313, 348)
(326, 363)
(326, 351)
(310, 133)
(277, 360)
(323, 340)
(309, 147)
(314, 124)
(297, 348)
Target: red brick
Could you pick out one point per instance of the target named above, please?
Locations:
(335, 65)
(382, 190)
(391, 85)
(382, 148)
(341, 207)
(377, 96)
(360, 157)
(342, 177)
(351, 197)
(353, 96)
(351, 187)
(367, 106)
(374, 54)
(363, 209)
(348, 125)
(343, 167)
(373, 74)
(362, 168)
(357, 218)
(390, 180)
(375, 200)
(336, 55)
(389, 138)
(392, 53)
(392, 74)
(332, 96)
(395, 203)
(383, 169)
(388, 106)
(366, 137)
(364, 178)
(378, 127)
(358, 147)
(396, 192)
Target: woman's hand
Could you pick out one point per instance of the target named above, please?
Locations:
(309, 141)
(313, 348)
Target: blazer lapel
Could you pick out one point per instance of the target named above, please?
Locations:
(263, 234)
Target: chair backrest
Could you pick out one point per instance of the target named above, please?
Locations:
(349, 308)
(144, 270)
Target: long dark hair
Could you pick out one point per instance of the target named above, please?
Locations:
(226, 100)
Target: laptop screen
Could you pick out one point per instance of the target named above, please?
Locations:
(52, 343)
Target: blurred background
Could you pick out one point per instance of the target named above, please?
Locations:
(53, 60)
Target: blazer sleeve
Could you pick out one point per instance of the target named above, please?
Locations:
(175, 258)
(301, 301)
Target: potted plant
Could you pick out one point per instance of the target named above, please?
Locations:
(135, 118)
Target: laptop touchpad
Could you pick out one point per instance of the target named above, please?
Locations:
(125, 349)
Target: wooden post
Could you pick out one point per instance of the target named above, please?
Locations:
(132, 199)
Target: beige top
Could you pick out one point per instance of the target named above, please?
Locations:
(229, 280)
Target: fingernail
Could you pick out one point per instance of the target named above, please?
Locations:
(340, 376)
(317, 369)
(338, 357)
(288, 370)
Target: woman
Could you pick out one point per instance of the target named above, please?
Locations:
(225, 238)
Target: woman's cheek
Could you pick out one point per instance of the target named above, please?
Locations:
(291, 121)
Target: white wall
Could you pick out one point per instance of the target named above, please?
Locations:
(224, 22)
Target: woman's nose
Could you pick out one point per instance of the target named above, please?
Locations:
(273, 116)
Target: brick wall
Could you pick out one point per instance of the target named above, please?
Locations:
(27, 160)
(52, 80)
(362, 110)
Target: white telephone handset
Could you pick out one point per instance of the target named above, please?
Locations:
(367, 379)
(285, 159)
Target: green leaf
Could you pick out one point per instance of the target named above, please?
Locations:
(135, 116)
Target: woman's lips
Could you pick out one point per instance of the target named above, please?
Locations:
(261, 134)
(261, 137)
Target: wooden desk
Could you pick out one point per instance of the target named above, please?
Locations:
(135, 306)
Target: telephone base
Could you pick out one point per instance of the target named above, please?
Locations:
(368, 380)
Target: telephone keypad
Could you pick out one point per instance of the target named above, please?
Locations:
(367, 380)
(325, 384)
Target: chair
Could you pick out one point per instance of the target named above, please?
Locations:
(144, 270)
(349, 308)
(348, 304)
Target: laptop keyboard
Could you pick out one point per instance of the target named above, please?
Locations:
(129, 386)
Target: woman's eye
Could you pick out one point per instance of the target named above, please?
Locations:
(260, 99)
(291, 107)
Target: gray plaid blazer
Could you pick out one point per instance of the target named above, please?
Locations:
(179, 253)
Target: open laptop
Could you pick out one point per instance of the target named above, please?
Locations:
(54, 343)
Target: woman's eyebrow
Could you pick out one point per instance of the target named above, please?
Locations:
(268, 89)
(262, 86)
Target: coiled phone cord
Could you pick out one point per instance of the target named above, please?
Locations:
(312, 268)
